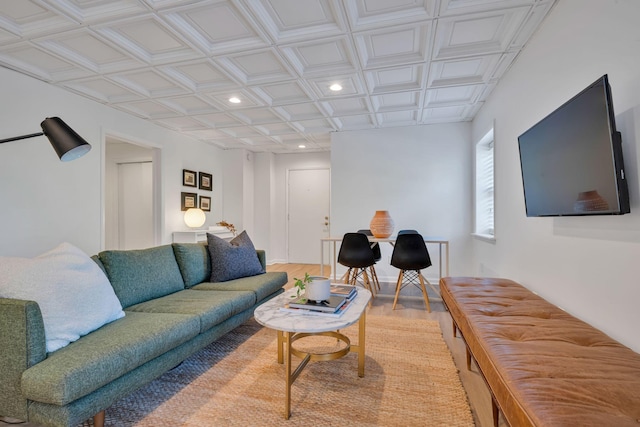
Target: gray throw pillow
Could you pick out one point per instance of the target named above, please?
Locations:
(234, 259)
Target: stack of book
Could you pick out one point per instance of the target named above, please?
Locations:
(339, 301)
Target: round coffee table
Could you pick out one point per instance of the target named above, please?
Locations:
(293, 326)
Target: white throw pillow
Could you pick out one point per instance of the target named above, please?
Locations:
(74, 294)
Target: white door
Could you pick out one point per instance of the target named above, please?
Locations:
(135, 205)
(309, 206)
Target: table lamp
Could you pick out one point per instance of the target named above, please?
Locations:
(194, 217)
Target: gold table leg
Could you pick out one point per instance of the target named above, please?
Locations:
(285, 350)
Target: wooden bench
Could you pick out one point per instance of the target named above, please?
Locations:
(543, 367)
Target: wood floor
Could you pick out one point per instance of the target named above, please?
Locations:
(413, 306)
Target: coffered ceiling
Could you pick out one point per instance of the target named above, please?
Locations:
(178, 62)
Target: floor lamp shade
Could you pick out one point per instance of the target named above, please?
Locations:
(67, 143)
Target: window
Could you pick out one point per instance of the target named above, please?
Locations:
(484, 227)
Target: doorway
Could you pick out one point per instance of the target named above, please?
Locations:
(308, 214)
(129, 196)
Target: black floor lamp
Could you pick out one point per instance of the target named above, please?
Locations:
(67, 143)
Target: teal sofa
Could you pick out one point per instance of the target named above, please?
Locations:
(172, 311)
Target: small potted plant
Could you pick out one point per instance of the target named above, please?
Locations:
(300, 284)
(317, 288)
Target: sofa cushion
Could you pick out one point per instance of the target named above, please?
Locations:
(106, 354)
(212, 307)
(143, 274)
(194, 262)
(262, 285)
(73, 293)
(234, 259)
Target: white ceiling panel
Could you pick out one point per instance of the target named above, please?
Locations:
(314, 125)
(102, 90)
(242, 132)
(40, 63)
(478, 34)
(180, 124)
(444, 114)
(456, 95)
(398, 118)
(347, 106)
(149, 39)
(283, 93)
(376, 13)
(319, 57)
(274, 129)
(216, 28)
(263, 66)
(246, 97)
(218, 120)
(356, 122)
(30, 18)
(351, 85)
(147, 109)
(288, 20)
(200, 76)
(397, 101)
(188, 105)
(178, 63)
(95, 11)
(466, 71)
(291, 139)
(87, 50)
(256, 116)
(148, 82)
(390, 46)
(394, 79)
(297, 112)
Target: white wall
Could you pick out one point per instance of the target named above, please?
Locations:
(588, 266)
(420, 174)
(264, 202)
(44, 202)
(234, 187)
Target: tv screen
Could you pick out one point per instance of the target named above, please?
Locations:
(572, 159)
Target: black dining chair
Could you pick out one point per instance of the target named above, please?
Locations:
(377, 256)
(401, 232)
(410, 255)
(356, 254)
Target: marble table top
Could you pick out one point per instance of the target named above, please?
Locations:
(270, 315)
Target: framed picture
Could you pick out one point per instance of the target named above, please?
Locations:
(188, 200)
(206, 181)
(205, 203)
(189, 178)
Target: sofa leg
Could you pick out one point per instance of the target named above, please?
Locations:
(98, 419)
(495, 412)
(468, 358)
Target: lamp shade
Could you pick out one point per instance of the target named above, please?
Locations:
(67, 143)
(194, 217)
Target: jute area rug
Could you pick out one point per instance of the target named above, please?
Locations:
(410, 380)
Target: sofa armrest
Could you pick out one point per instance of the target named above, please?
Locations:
(262, 256)
(23, 344)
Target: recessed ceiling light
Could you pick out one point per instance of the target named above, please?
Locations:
(302, 146)
(335, 87)
(234, 100)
